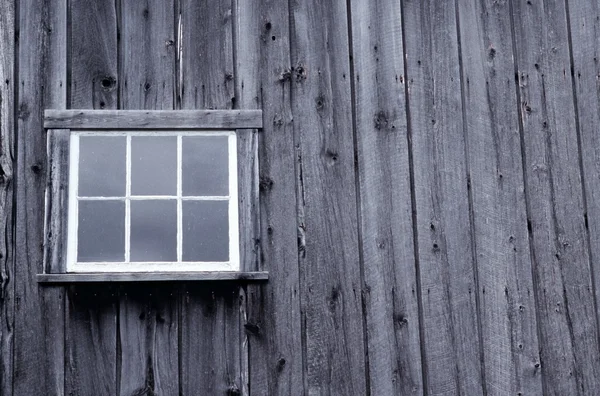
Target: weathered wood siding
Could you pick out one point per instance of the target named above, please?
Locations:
(424, 193)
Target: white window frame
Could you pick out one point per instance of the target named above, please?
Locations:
(127, 266)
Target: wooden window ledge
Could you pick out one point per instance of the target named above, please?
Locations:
(258, 276)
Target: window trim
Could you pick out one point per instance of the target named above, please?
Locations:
(60, 123)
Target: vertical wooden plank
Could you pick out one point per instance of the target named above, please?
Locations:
(148, 329)
(93, 50)
(57, 201)
(38, 353)
(447, 269)
(564, 293)
(148, 316)
(247, 91)
(8, 137)
(207, 80)
(391, 303)
(507, 310)
(147, 55)
(91, 323)
(584, 17)
(330, 279)
(263, 79)
(210, 352)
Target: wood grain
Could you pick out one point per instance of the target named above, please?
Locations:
(91, 335)
(138, 119)
(154, 277)
(57, 202)
(148, 316)
(507, 310)
(564, 293)
(91, 323)
(39, 314)
(584, 17)
(452, 357)
(8, 139)
(391, 292)
(330, 270)
(273, 325)
(211, 355)
(93, 51)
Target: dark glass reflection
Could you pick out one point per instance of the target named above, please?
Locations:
(154, 165)
(205, 231)
(154, 230)
(102, 166)
(205, 166)
(101, 231)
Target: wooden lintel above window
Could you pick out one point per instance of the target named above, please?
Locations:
(152, 119)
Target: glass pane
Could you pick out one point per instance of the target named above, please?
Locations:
(154, 165)
(205, 231)
(102, 166)
(101, 232)
(205, 166)
(154, 230)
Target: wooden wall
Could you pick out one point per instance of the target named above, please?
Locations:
(428, 197)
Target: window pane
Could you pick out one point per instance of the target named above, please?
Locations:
(154, 165)
(205, 166)
(205, 231)
(154, 230)
(101, 232)
(102, 166)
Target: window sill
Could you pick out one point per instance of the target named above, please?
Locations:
(258, 276)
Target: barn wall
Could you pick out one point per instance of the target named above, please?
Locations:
(427, 202)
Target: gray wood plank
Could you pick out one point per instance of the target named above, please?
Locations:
(249, 232)
(148, 317)
(211, 363)
(38, 353)
(507, 309)
(207, 80)
(562, 274)
(91, 335)
(391, 300)
(8, 138)
(91, 323)
(451, 352)
(247, 92)
(273, 324)
(584, 16)
(148, 330)
(93, 49)
(144, 119)
(57, 202)
(330, 270)
(153, 277)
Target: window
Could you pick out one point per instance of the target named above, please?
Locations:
(153, 201)
(151, 195)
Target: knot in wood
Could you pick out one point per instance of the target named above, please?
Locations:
(381, 120)
(265, 184)
(108, 83)
(252, 328)
(320, 102)
(300, 73)
(280, 364)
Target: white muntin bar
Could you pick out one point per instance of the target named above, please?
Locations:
(156, 198)
(127, 200)
(179, 204)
